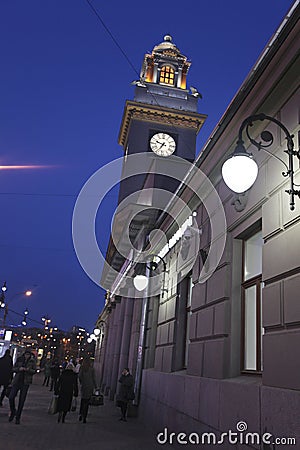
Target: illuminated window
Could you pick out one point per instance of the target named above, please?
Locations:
(167, 75)
(252, 329)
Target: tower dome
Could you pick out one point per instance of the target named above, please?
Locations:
(166, 45)
(165, 65)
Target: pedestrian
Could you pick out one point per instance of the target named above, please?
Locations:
(24, 369)
(64, 365)
(6, 366)
(77, 368)
(66, 388)
(126, 392)
(47, 372)
(54, 373)
(87, 381)
(43, 361)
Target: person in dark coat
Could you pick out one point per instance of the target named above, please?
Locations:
(6, 366)
(47, 372)
(66, 387)
(24, 370)
(55, 372)
(126, 392)
(87, 381)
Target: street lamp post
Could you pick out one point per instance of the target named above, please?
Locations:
(46, 321)
(2, 296)
(5, 305)
(24, 321)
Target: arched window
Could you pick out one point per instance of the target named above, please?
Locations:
(167, 75)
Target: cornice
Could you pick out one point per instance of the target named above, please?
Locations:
(149, 113)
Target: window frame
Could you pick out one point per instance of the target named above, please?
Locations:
(257, 282)
(188, 315)
(171, 71)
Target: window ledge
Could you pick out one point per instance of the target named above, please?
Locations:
(252, 378)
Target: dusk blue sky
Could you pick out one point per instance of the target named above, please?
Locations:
(63, 85)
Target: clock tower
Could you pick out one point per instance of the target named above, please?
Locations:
(162, 119)
(161, 122)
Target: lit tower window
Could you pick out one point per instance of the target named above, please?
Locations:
(167, 75)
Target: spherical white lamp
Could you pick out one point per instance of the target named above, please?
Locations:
(239, 172)
(96, 331)
(140, 282)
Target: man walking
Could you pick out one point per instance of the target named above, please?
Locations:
(24, 369)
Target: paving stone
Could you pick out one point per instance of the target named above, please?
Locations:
(40, 431)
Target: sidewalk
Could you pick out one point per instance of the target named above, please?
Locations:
(40, 431)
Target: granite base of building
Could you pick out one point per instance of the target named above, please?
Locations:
(178, 403)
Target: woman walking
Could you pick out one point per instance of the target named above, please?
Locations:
(88, 384)
(65, 388)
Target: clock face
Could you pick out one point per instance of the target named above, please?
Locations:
(162, 144)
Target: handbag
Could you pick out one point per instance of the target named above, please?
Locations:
(74, 404)
(53, 405)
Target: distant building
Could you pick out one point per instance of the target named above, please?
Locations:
(77, 329)
(208, 355)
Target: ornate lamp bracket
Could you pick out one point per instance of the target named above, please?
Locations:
(266, 141)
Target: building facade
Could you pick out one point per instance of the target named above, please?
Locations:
(208, 352)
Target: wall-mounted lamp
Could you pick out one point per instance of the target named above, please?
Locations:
(153, 265)
(140, 282)
(240, 170)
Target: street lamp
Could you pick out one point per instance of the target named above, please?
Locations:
(24, 321)
(140, 281)
(2, 296)
(48, 335)
(46, 321)
(5, 305)
(240, 170)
